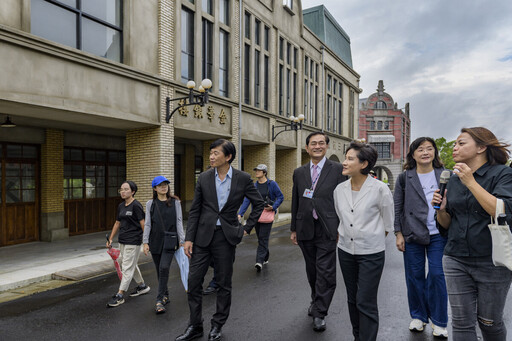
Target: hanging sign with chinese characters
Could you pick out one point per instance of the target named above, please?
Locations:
(209, 118)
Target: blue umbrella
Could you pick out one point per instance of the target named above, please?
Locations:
(182, 261)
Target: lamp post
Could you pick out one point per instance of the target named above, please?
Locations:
(194, 98)
(295, 124)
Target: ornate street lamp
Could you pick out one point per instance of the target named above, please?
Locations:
(193, 97)
(295, 124)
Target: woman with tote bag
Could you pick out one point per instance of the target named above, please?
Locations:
(477, 289)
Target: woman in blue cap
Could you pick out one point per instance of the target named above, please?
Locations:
(163, 234)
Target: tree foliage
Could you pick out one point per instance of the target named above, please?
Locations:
(445, 152)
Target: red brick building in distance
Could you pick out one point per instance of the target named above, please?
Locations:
(388, 129)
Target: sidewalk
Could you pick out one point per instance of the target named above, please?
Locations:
(74, 259)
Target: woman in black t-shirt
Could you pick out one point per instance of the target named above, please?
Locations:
(163, 233)
(130, 223)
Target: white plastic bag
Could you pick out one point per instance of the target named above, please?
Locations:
(501, 239)
(183, 263)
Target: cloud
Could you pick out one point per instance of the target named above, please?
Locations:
(449, 59)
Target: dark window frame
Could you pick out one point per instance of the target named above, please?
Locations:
(80, 14)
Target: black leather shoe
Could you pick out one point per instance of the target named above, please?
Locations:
(210, 290)
(215, 334)
(192, 332)
(319, 324)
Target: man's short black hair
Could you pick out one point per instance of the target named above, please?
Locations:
(365, 152)
(317, 133)
(228, 148)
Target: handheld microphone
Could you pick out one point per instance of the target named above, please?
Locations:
(443, 181)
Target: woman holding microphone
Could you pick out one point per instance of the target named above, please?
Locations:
(477, 289)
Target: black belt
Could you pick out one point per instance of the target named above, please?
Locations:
(218, 227)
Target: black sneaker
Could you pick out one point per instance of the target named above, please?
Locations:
(116, 300)
(258, 267)
(140, 290)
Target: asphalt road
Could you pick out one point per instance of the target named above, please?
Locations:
(266, 306)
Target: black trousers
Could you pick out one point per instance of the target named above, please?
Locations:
(162, 263)
(361, 274)
(320, 257)
(263, 233)
(223, 255)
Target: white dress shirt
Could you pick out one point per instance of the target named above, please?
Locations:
(364, 221)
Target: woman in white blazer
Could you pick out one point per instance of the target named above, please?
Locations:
(365, 208)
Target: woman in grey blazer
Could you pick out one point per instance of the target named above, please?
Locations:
(417, 236)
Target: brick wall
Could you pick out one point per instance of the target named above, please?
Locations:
(52, 172)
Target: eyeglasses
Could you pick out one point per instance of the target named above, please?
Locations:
(123, 190)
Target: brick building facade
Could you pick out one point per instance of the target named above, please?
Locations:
(87, 88)
(388, 129)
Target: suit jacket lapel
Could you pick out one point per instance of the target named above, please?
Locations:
(233, 186)
(324, 173)
(347, 193)
(212, 187)
(365, 189)
(307, 174)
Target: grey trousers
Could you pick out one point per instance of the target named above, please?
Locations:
(477, 291)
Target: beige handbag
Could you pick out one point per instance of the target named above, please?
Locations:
(501, 239)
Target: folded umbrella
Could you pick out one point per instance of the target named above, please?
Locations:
(182, 261)
(114, 253)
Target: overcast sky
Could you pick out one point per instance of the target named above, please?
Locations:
(451, 60)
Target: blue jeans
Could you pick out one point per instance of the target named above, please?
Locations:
(477, 291)
(427, 296)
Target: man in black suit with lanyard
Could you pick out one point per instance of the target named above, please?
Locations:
(213, 231)
(315, 223)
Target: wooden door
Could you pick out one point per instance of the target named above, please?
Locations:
(19, 194)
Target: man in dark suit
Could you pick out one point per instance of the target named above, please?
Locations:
(213, 231)
(315, 223)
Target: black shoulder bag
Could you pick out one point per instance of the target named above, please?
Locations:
(170, 238)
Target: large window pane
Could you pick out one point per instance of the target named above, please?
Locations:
(265, 83)
(187, 45)
(224, 11)
(207, 6)
(101, 40)
(53, 22)
(247, 68)
(71, 3)
(14, 151)
(107, 10)
(247, 25)
(207, 66)
(257, 26)
(267, 37)
(224, 62)
(257, 78)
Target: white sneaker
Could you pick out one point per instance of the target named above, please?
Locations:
(416, 325)
(439, 331)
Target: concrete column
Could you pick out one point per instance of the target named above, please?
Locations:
(52, 189)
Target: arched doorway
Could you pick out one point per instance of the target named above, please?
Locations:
(385, 175)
